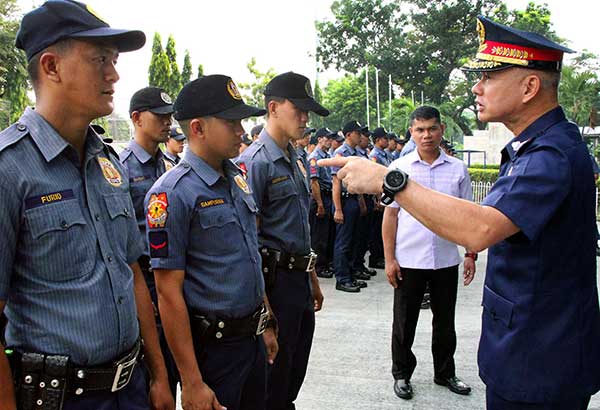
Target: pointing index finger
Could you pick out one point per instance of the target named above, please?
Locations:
(334, 162)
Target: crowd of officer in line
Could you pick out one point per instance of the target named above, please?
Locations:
(201, 268)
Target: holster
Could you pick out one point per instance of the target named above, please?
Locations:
(270, 258)
(41, 382)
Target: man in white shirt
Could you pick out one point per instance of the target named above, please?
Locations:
(415, 256)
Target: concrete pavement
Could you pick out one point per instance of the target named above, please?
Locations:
(350, 365)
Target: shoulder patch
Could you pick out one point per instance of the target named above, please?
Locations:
(157, 210)
(12, 135)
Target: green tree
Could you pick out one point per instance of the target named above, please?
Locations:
(200, 70)
(174, 83)
(579, 94)
(253, 91)
(186, 72)
(316, 121)
(13, 66)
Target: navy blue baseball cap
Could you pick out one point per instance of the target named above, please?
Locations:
(502, 47)
(379, 132)
(296, 88)
(153, 99)
(326, 132)
(213, 96)
(176, 133)
(354, 126)
(57, 20)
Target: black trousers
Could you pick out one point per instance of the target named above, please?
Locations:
(443, 285)
(375, 239)
(362, 232)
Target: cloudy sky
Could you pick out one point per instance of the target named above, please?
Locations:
(224, 35)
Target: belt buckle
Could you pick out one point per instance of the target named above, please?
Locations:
(262, 321)
(312, 261)
(123, 374)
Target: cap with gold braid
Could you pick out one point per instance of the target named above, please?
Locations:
(501, 47)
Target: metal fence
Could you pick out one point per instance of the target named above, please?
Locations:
(481, 189)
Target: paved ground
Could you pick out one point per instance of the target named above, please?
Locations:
(351, 360)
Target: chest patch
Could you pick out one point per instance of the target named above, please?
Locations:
(211, 202)
(40, 200)
(277, 180)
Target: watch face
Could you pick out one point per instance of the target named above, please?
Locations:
(395, 179)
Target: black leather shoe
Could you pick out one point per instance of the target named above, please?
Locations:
(403, 389)
(455, 385)
(325, 274)
(361, 275)
(347, 287)
(370, 272)
(361, 284)
(377, 264)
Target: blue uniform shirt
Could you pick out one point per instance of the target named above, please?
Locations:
(540, 338)
(409, 147)
(142, 170)
(361, 152)
(69, 234)
(395, 155)
(378, 155)
(344, 150)
(322, 174)
(170, 159)
(205, 224)
(281, 193)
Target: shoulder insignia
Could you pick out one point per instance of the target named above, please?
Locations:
(109, 171)
(301, 167)
(168, 164)
(157, 210)
(241, 183)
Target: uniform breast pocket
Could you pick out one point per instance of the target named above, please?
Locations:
(282, 190)
(62, 245)
(497, 307)
(219, 231)
(120, 212)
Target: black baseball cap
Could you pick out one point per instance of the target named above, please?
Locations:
(176, 133)
(379, 132)
(314, 140)
(57, 20)
(215, 96)
(326, 132)
(309, 131)
(339, 137)
(297, 89)
(246, 139)
(153, 99)
(354, 126)
(257, 129)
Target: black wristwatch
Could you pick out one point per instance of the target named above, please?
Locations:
(394, 182)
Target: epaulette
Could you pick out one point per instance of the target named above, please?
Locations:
(111, 149)
(125, 154)
(173, 177)
(12, 135)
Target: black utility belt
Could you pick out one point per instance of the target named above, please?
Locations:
(347, 195)
(43, 381)
(289, 261)
(209, 328)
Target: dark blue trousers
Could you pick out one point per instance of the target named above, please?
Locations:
(342, 251)
(362, 232)
(236, 370)
(132, 397)
(495, 402)
(319, 231)
(292, 303)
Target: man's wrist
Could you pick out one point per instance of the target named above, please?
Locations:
(471, 255)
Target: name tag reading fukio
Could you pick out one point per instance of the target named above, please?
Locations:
(46, 199)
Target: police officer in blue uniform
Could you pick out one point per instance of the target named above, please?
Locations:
(347, 208)
(364, 223)
(541, 320)
(320, 204)
(70, 284)
(281, 194)
(378, 155)
(201, 224)
(174, 147)
(150, 110)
